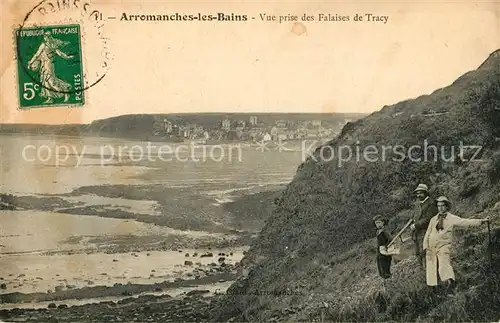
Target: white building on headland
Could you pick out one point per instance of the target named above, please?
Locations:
(167, 125)
(253, 120)
(226, 124)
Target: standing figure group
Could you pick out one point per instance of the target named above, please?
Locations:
(432, 234)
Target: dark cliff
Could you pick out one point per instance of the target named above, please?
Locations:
(316, 253)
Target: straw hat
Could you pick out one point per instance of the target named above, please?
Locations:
(443, 199)
(421, 188)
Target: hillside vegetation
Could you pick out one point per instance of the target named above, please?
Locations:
(317, 249)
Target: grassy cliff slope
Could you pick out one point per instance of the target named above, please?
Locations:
(316, 252)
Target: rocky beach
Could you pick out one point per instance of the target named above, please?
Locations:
(183, 292)
(114, 275)
(113, 270)
(125, 241)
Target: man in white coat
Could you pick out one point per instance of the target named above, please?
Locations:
(437, 243)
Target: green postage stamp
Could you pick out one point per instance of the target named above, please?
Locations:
(49, 66)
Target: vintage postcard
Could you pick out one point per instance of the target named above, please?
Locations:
(237, 161)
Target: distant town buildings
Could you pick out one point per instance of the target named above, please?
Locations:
(240, 125)
(250, 130)
(253, 120)
(281, 123)
(226, 124)
(167, 126)
(162, 126)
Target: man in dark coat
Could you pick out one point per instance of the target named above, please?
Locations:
(428, 209)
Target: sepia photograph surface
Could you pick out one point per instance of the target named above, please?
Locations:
(245, 161)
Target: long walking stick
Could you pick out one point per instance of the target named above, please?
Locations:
(387, 249)
(400, 233)
(489, 250)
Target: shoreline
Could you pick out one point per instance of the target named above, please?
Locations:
(50, 272)
(186, 296)
(151, 308)
(90, 295)
(144, 261)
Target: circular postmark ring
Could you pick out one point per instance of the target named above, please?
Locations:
(44, 40)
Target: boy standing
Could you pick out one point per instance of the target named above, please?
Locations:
(383, 238)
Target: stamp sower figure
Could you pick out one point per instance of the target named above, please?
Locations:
(52, 86)
(383, 238)
(428, 209)
(437, 243)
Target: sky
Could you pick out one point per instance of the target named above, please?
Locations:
(257, 66)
